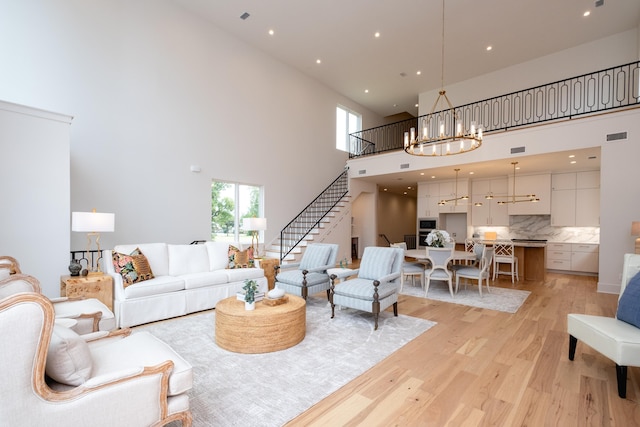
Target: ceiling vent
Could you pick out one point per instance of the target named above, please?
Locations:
(599, 3)
(362, 171)
(616, 136)
(516, 150)
(244, 16)
(404, 166)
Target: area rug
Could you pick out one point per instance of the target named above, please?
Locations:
(500, 299)
(232, 389)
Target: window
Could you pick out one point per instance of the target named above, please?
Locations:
(347, 122)
(230, 203)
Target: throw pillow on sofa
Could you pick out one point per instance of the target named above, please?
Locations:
(240, 259)
(629, 303)
(133, 268)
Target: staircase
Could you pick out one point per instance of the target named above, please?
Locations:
(314, 223)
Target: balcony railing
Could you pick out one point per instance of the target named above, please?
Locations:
(616, 87)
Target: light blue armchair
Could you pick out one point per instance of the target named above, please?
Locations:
(376, 286)
(309, 276)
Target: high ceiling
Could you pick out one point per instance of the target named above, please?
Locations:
(341, 34)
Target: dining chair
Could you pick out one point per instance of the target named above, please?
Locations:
(439, 270)
(479, 272)
(409, 268)
(504, 254)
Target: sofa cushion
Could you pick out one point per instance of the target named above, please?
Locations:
(207, 278)
(239, 274)
(155, 286)
(218, 255)
(133, 268)
(156, 253)
(187, 259)
(629, 303)
(240, 259)
(68, 359)
(315, 256)
(376, 263)
(142, 349)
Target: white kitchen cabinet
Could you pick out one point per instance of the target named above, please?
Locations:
(540, 185)
(575, 199)
(490, 213)
(584, 257)
(451, 190)
(574, 257)
(428, 199)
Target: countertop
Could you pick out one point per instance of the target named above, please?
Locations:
(519, 244)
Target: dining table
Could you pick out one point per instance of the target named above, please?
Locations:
(421, 255)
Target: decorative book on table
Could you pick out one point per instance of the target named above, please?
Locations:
(258, 296)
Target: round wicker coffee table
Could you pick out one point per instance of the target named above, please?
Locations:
(263, 330)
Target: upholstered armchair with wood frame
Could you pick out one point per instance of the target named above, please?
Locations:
(53, 377)
(376, 286)
(90, 313)
(309, 276)
(617, 338)
(8, 265)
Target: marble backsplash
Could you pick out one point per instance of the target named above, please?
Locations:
(539, 227)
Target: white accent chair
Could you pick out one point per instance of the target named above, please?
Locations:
(309, 276)
(8, 265)
(479, 273)
(91, 314)
(376, 286)
(613, 338)
(439, 259)
(504, 253)
(119, 380)
(409, 268)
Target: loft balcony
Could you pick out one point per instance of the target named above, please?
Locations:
(589, 94)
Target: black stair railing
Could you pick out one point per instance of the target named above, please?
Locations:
(596, 92)
(312, 214)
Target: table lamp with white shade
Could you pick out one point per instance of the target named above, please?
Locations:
(93, 223)
(255, 225)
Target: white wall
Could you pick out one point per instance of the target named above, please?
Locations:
(34, 171)
(611, 51)
(154, 89)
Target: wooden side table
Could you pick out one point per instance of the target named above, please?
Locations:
(97, 286)
(268, 265)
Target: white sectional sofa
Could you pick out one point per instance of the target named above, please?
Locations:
(187, 278)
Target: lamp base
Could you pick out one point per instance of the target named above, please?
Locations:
(638, 245)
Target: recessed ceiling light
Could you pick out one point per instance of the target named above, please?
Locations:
(573, 162)
(587, 13)
(385, 189)
(318, 61)
(572, 156)
(433, 176)
(471, 173)
(417, 105)
(489, 47)
(271, 32)
(418, 72)
(405, 193)
(518, 167)
(366, 91)
(421, 173)
(376, 34)
(408, 188)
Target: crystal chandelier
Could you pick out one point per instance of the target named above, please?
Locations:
(514, 198)
(443, 133)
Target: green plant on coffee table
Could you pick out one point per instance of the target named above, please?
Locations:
(250, 287)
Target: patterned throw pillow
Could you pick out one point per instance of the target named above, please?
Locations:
(240, 259)
(133, 268)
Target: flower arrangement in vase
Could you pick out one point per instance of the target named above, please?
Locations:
(250, 287)
(437, 239)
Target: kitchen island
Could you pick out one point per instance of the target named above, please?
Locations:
(532, 258)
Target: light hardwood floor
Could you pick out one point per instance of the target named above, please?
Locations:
(480, 367)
